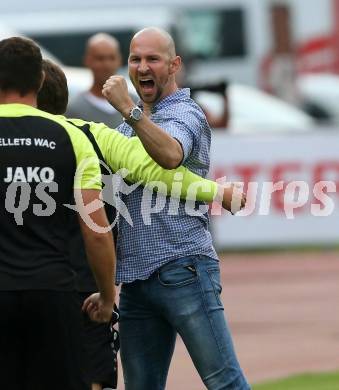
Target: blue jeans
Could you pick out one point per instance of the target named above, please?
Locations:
(181, 297)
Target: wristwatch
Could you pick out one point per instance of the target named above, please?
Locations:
(134, 115)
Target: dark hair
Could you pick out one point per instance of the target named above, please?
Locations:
(53, 95)
(20, 65)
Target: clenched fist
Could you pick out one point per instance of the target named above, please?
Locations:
(97, 308)
(115, 90)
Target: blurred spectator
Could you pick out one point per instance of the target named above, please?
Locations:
(103, 58)
(215, 120)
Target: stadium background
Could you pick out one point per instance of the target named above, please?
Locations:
(280, 276)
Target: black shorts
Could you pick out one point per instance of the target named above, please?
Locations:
(41, 341)
(102, 345)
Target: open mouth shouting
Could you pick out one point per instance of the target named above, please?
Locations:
(147, 86)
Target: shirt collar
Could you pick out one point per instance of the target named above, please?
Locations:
(178, 95)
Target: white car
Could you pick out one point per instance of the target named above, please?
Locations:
(322, 91)
(252, 110)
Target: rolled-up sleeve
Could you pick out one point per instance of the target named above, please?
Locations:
(185, 129)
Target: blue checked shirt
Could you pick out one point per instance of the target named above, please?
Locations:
(166, 235)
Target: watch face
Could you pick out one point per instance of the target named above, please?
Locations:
(136, 113)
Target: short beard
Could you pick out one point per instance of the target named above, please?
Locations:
(155, 99)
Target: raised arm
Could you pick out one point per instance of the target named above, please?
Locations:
(122, 152)
(162, 147)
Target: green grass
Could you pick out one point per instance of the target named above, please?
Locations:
(324, 381)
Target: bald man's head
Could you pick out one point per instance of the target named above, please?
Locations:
(164, 39)
(102, 57)
(100, 38)
(152, 64)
